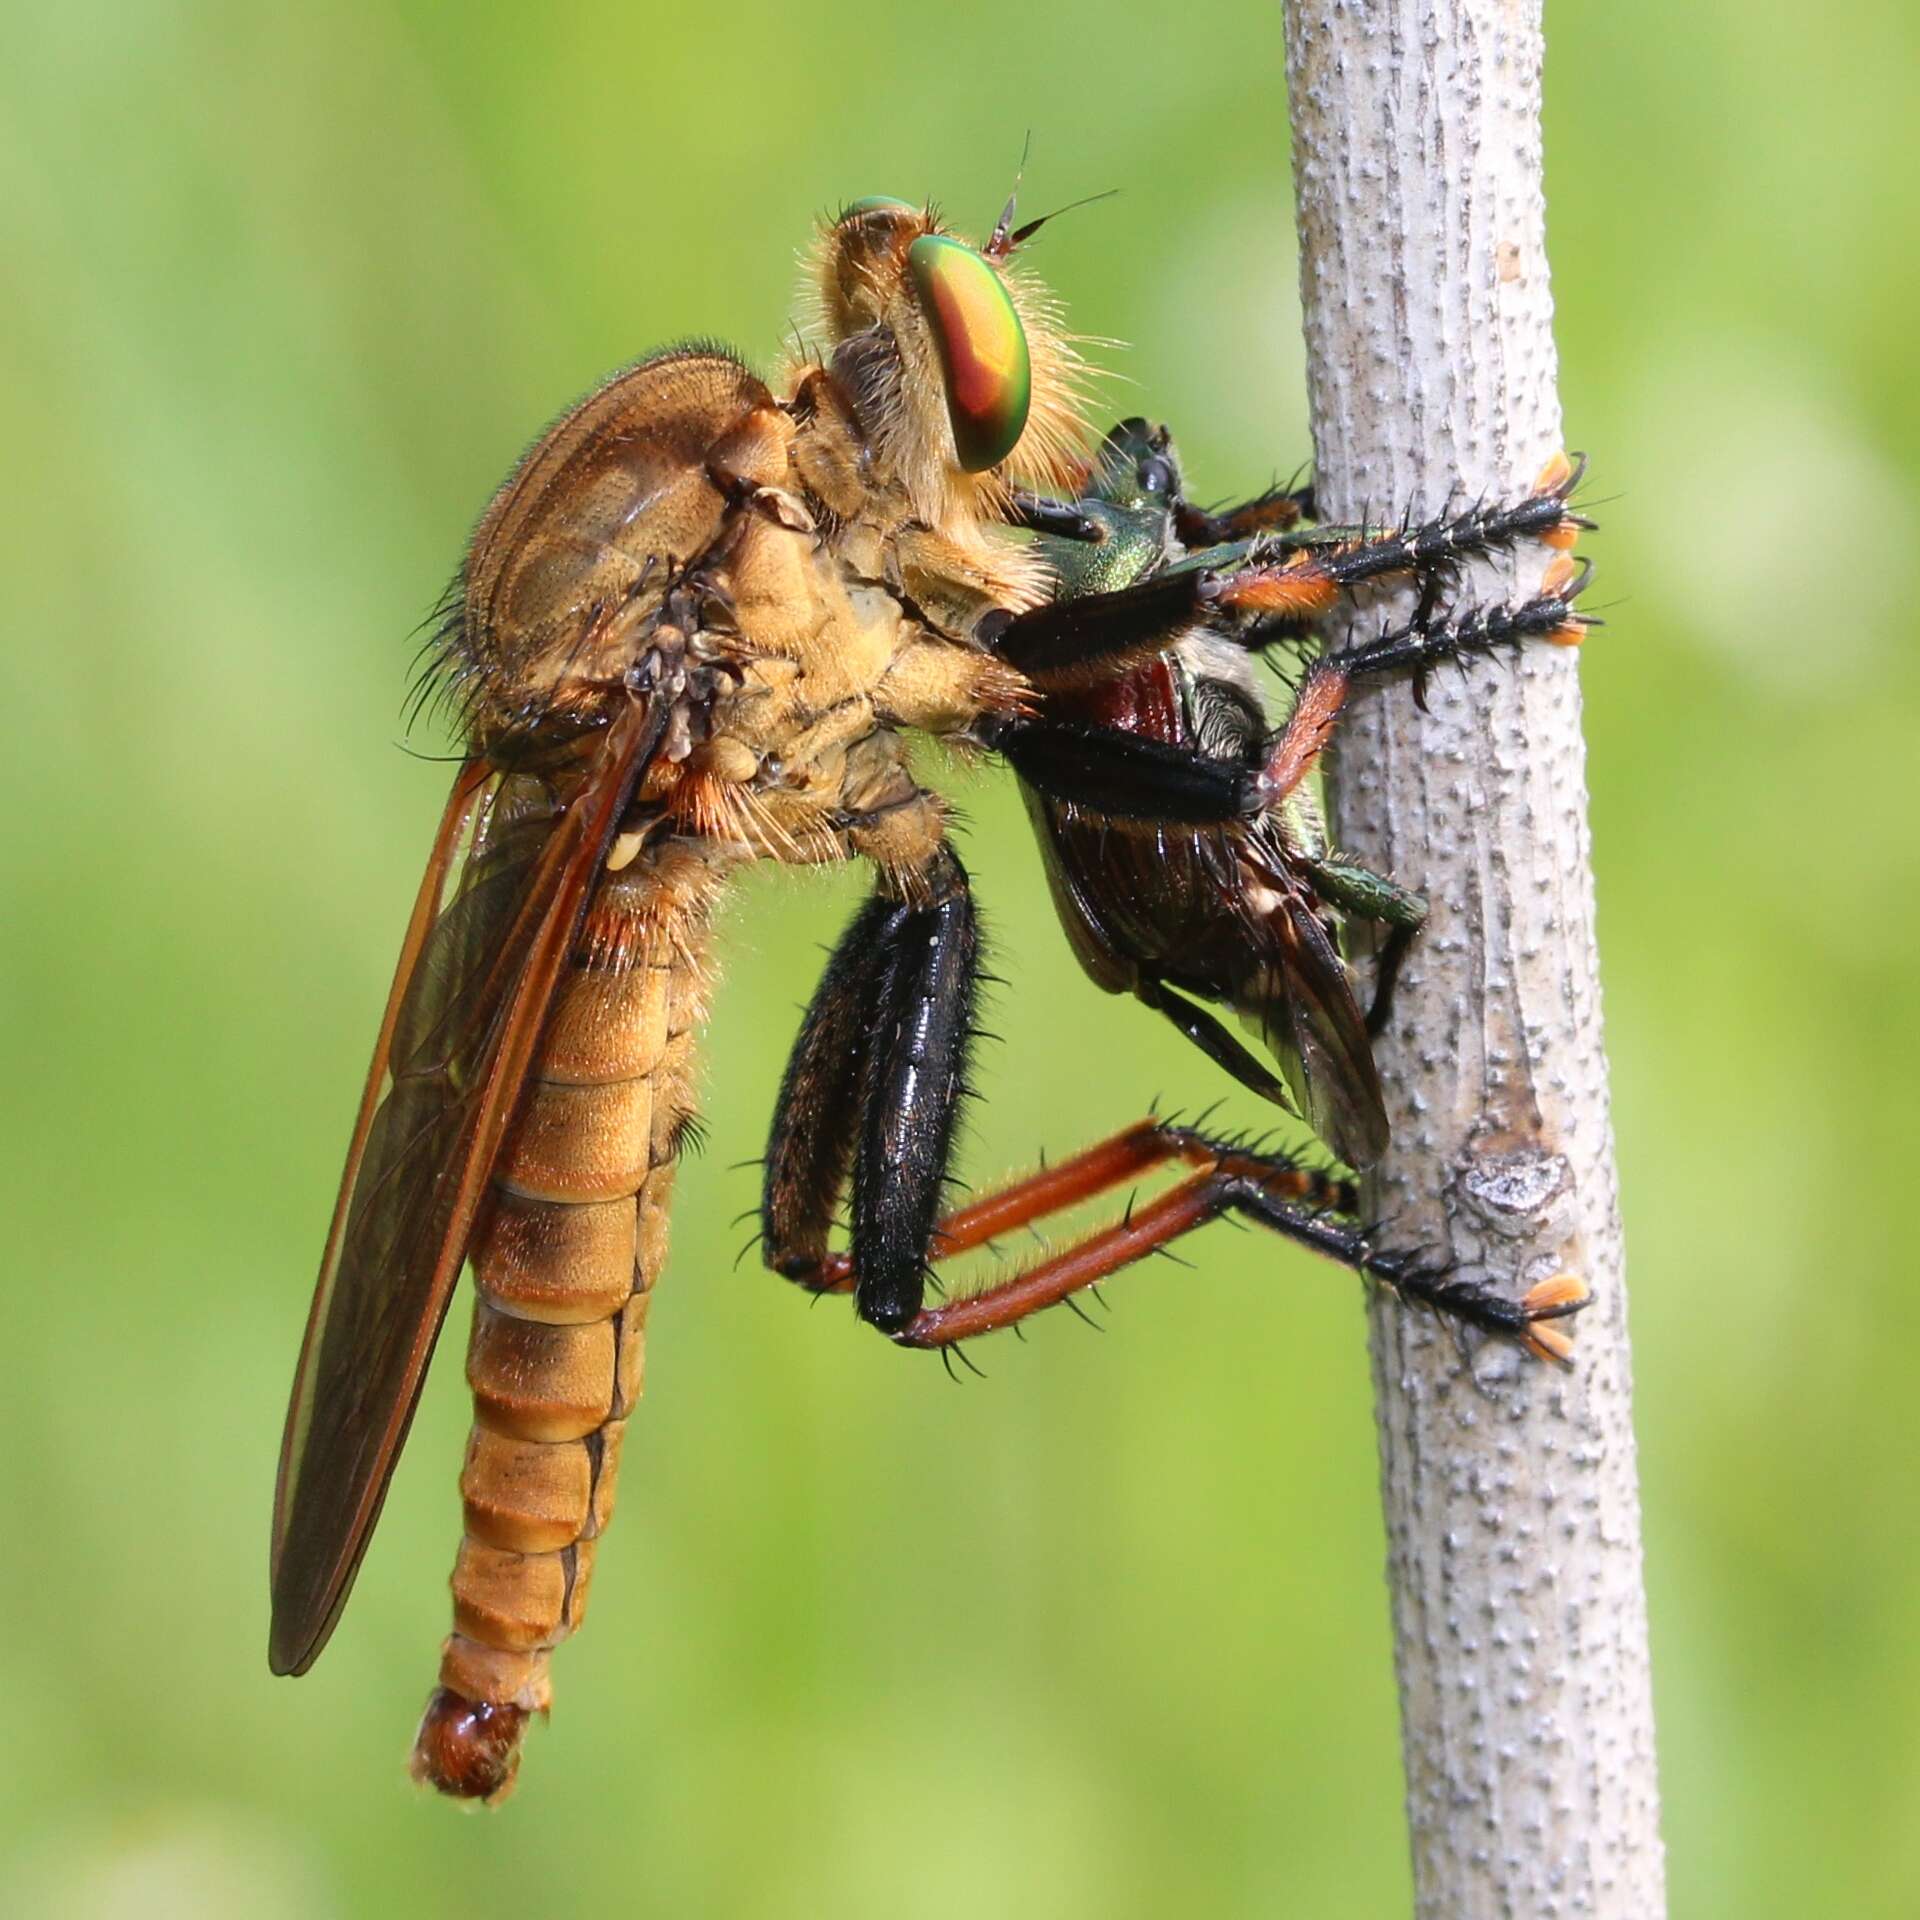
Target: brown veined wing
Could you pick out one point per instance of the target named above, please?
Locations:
(1302, 1002)
(469, 997)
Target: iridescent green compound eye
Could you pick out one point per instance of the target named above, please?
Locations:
(983, 349)
(875, 203)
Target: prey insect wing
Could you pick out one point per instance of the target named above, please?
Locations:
(1311, 1019)
(1200, 911)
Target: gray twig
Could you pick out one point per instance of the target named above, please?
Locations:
(1509, 1485)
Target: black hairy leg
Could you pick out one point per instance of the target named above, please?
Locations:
(1285, 585)
(1305, 1204)
(816, 1116)
(1131, 776)
(911, 1088)
(872, 1091)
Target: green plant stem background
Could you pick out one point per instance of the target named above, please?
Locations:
(1105, 1634)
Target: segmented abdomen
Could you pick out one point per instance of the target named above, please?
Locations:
(564, 1268)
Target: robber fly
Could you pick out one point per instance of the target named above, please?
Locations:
(692, 630)
(1249, 913)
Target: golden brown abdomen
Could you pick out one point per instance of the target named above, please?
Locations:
(563, 1269)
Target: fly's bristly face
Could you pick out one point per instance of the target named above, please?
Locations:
(958, 361)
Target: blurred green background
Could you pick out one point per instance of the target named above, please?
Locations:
(1105, 1634)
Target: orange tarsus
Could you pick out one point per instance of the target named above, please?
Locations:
(1557, 477)
(1556, 473)
(1563, 1294)
(1560, 572)
(1549, 1343)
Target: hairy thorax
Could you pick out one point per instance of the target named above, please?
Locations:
(684, 533)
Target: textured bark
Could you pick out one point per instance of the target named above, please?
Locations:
(1509, 1485)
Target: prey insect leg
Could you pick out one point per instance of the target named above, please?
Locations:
(1362, 894)
(1421, 644)
(1135, 777)
(1278, 589)
(1206, 1033)
(1321, 565)
(1276, 511)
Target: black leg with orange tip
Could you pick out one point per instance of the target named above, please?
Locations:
(1279, 592)
(1328, 561)
(1132, 776)
(1421, 645)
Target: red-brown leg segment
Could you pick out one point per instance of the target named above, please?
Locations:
(1122, 1156)
(1263, 1188)
(1421, 645)
(1302, 1203)
(1275, 511)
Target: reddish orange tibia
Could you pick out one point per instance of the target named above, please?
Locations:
(1099, 1169)
(1226, 1177)
(1301, 591)
(1310, 726)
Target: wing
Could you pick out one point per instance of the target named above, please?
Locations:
(1300, 1000)
(469, 998)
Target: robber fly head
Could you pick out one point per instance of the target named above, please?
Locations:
(957, 358)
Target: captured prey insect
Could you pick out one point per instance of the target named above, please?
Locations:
(1248, 913)
(691, 631)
